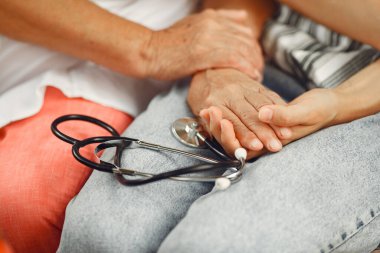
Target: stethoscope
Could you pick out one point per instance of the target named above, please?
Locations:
(186, 130)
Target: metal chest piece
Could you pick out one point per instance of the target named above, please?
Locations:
(189, 132)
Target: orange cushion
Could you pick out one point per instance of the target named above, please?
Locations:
(39, 176)
(4, 247)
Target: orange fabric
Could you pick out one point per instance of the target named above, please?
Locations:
(4, 247)
(39, 176)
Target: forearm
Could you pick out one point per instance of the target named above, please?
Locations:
(259, 11)
(357, 19)
(78, 28)
(359, 96)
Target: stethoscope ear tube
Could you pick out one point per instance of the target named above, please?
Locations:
(78, 144)
(73, 117)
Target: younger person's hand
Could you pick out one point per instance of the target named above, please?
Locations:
(306, 114)
(310, 112)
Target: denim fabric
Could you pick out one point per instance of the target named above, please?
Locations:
(319, 194)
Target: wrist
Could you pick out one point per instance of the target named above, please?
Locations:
(351, 105)
(341, 107)
(147, 53)
(137, 55)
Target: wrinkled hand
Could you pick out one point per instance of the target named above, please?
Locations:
(210, 39)
(310, 112)
(229, 101)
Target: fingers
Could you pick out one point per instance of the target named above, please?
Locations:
(247, 114)
(283, 133)
(246, 137)
(228, 139)
(282, 115)
(214, 123)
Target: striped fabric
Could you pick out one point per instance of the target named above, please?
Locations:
(317, 56)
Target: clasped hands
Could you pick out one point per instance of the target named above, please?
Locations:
(240, 112)
(219, 47)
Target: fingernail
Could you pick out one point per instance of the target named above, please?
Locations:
(275, 145)
(285, 132)
(256, 145)
(265, 114)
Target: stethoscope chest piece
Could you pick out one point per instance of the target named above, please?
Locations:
(187, 131)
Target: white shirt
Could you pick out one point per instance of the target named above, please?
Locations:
(26, 69)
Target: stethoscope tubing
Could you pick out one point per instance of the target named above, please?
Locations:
(120, 143)
(71, 117)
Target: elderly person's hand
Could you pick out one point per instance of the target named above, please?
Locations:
(210, 39)
(228, 94)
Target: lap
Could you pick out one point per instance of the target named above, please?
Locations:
(109, 217)
(317, 192)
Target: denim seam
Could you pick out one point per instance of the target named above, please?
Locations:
(353, 233)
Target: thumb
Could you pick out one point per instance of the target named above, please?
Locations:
(283, 115)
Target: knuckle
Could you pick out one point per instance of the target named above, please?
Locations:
(261, 103)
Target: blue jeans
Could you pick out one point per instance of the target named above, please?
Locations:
(319, 194)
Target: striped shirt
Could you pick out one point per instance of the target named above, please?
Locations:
(316, 55)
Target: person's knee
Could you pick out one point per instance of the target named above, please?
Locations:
(284, 201)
